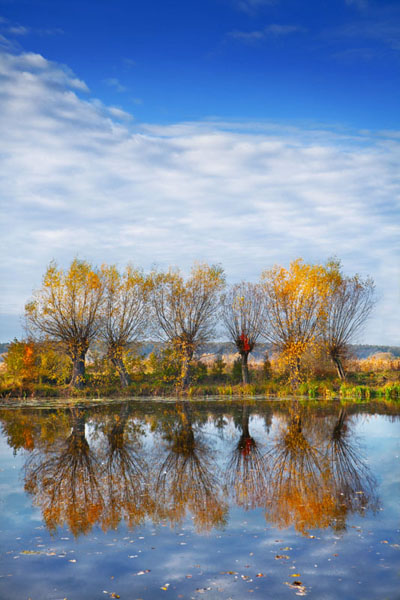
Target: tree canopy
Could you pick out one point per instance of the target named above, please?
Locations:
(66, 309)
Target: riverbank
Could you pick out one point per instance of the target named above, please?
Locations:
(354, 389)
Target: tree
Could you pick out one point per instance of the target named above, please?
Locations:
(186, 311)
(244, 314)
(347, 306)
(66, 309)
(21, 362)
(125, 313)
(295, 299)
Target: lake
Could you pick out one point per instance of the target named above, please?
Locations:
(215, 499)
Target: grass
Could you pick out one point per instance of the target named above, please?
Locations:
(358, 387)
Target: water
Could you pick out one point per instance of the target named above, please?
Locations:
(216, 499)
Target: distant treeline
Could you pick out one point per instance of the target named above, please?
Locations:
(223, 348)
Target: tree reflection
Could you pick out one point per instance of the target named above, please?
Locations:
(353, 483)
(186, 478)
(312, 476)
(245, 474)
(125, 473)
(299, 491)
(65, 480)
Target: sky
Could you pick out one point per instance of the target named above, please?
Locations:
(242, 132)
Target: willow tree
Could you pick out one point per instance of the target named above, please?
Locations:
(124, 313)
(244, 314)
(66, 309)
(347, 306)
(295, 299)
(185, 312)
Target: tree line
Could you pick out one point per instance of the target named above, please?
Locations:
(294, 309)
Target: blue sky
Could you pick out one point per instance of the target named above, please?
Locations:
(335, 61)
(246, 132)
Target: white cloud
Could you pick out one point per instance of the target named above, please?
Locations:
(360, 4)
(272, 30)
(251, 7)
(115, 83)
(77, 178)
(118, 113)
(18, 30)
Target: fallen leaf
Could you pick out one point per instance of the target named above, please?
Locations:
(279, 556)
(229, 572)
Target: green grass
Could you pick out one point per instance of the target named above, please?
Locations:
(359, 387)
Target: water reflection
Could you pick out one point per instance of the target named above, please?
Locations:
(64, 477)
(246, 475)
(124, 471)
(354, 486)
(187, 475)
(160, 461)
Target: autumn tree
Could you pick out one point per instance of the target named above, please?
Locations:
(295, 299)
(124, 313)
(185, 312)
(244, 314)
(66, 309)
(348, 304)
(21, 362)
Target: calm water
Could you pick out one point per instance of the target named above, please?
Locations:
(225, 500)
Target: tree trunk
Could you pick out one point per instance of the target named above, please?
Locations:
(121, 369)
(245, 421)
(340, 425)
(294, 372)
(245, 367)
(78, 355)
(77, 440)
(339, 366)
(186, 370)
(116, 435)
